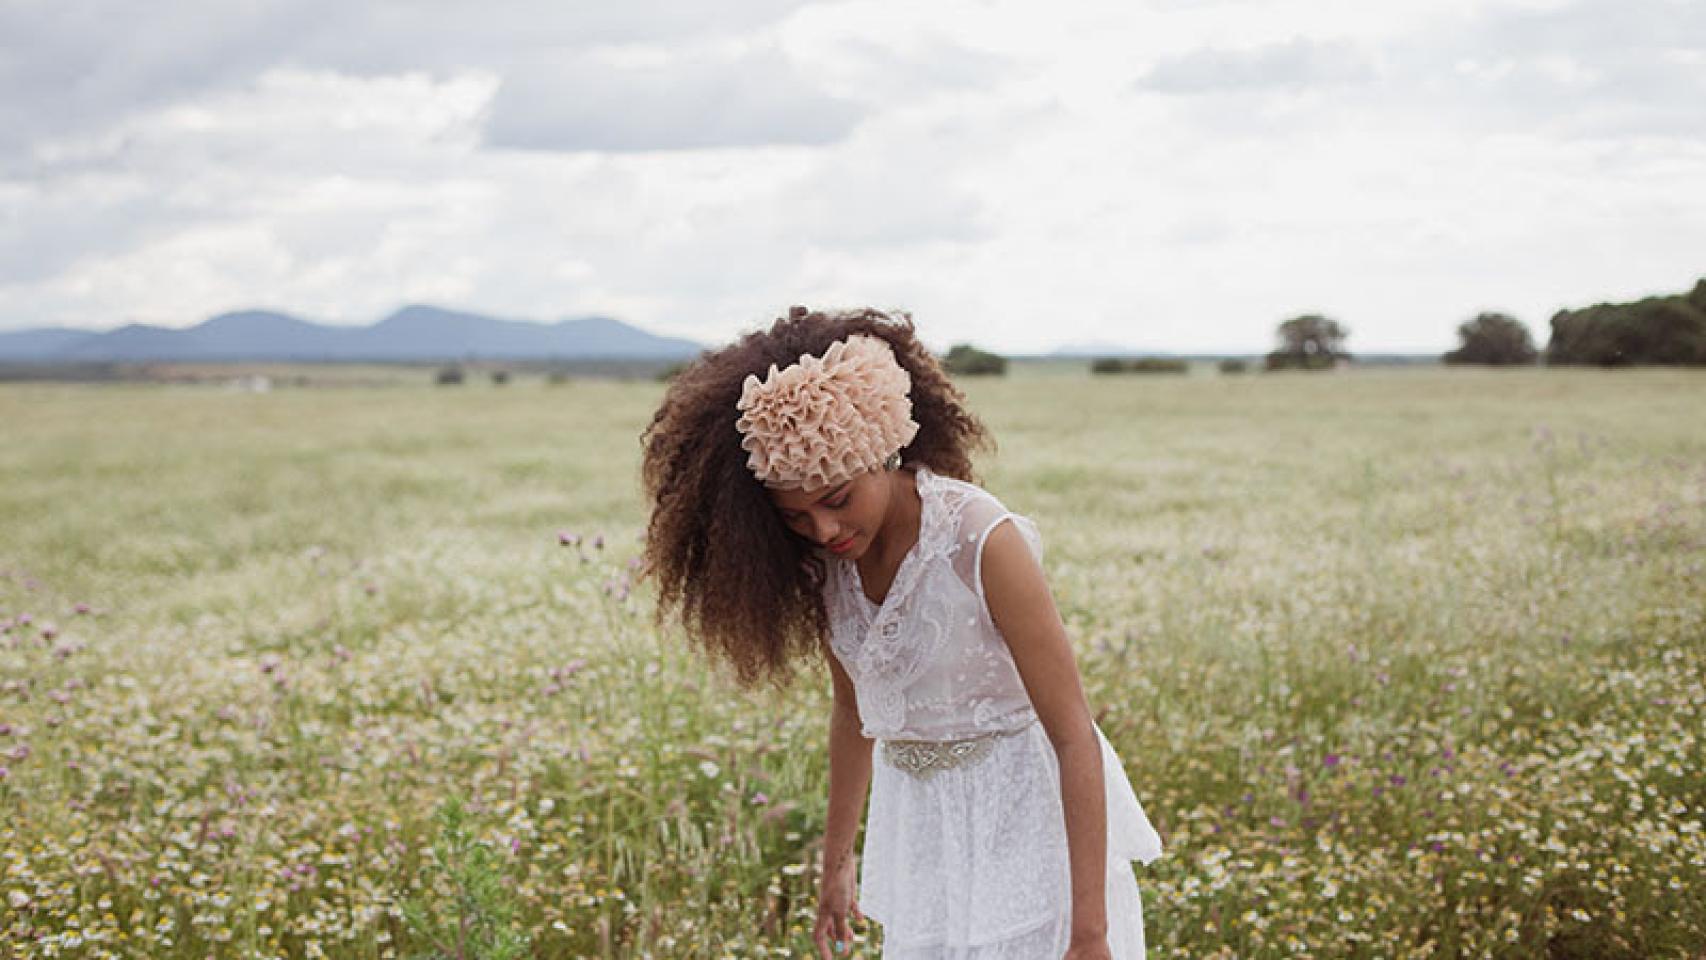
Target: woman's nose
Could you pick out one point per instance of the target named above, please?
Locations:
(822, 528)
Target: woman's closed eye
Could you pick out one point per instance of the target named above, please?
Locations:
(791, 517)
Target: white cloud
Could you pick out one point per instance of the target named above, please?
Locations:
(1298, 62)
(72, 67)
(1167, 175)
(698, 100)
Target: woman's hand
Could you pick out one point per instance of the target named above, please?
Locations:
(1096, 949)
(835, 900)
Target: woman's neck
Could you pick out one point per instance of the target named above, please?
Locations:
(901, 521)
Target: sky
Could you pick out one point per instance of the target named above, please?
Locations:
(1171, 175)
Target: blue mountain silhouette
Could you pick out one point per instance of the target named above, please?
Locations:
(416, 332)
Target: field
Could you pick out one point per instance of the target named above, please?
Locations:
(1402, 663)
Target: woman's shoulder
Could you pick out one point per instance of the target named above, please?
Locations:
(967, 514)
(970, 507)
(943, 481)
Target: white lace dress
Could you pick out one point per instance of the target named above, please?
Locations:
(970, 862)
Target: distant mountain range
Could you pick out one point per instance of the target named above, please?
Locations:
(419, 333)
(1098, 348)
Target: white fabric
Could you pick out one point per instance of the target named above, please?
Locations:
(970, 863)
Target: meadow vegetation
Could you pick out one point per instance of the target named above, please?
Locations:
(1402, 663)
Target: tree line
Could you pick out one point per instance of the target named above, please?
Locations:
(1667, 330)
(1656, 330)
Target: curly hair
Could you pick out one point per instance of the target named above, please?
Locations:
(747, 590)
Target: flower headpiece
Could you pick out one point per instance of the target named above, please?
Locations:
(826, 419)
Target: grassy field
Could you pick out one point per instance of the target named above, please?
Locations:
(1402, 663)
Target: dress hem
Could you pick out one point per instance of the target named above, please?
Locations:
(1010, 932)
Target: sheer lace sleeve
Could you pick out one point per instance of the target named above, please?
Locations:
(982, 515)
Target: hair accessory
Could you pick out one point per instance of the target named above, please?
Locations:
(826, 419)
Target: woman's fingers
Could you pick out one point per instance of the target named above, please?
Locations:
(820, 936)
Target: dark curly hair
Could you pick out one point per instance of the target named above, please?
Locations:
(748, 590)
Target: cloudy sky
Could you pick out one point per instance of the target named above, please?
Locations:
(1170, 174)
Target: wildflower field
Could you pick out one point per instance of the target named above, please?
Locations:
(1402, 663)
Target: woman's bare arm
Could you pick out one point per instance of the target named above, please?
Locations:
(849, 772)
(1024, 611)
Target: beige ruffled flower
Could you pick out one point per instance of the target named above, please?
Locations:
(826, 419)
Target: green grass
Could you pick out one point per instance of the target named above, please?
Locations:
(1401, 662)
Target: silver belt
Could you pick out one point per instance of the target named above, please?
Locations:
(924, 758)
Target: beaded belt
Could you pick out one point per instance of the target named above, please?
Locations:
(924, 758)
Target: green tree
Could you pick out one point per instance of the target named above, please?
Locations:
(963, 358)
(1139, 365)
(1656, 330)
(1309, 342)
(1498, 339)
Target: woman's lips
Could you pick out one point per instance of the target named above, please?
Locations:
(841, 546)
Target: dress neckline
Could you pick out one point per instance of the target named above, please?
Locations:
(907, 558)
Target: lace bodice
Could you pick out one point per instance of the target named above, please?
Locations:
(928, 663)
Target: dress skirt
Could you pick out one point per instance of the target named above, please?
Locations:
(971, 862)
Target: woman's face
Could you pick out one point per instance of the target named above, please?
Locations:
(841, 518)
